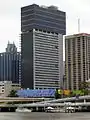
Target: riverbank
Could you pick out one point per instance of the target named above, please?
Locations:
(40, 109)
(44, 116)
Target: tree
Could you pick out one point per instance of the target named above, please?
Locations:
(57, 95)
(13, 93)
(84, 87)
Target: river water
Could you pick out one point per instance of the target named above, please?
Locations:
(45, 116)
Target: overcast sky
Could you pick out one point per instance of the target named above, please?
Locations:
(10, 17)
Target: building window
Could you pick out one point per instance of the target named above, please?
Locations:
(2, 87)
(56, 65)
(56, 47)
(2, 90)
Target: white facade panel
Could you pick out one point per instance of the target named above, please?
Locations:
(47, 59)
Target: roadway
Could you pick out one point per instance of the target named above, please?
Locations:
(18, 99)
(44, 100)
(54, 104)
(69, 99)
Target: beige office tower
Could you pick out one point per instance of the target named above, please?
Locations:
(77, 60)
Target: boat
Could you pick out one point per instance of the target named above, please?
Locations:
(20, 109)
(54, 110)
(70, 109)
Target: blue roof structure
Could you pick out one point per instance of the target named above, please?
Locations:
(36, 93)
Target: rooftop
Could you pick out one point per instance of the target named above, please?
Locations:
(76, 35)
(51, 7)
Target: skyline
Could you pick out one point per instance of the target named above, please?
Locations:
(10, 25)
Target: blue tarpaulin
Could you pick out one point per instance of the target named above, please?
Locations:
(36, 93)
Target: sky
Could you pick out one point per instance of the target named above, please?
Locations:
(10, 10)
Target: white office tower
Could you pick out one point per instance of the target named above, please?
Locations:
(48, 59)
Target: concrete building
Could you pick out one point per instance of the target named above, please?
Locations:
(42, 46)
(77, 60)
(6, 87)
(63, 67)
(64, 83)
(10, 69)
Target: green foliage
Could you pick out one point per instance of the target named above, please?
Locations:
(13, 93)
(78, 92)
(83, 85)
(57, 95)
(73, 93)
(84, 88)
(85, 91)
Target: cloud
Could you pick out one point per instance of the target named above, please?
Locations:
(10, 17)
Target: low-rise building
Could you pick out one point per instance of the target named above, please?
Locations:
(7, 86)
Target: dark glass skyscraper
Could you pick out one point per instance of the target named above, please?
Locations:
(10, 64)
(45, 18)
(42, 46)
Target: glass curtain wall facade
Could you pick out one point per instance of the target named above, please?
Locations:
(10, 68)
(44, 18)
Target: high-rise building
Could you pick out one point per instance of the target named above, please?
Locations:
(77, 60)
(44, 18)
(42, 46)
(10, 64)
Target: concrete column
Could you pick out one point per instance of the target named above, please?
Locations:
(84, 100)
(44, 108)
(36, 108)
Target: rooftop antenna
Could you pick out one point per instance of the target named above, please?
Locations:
(8, 42)
(78, 25)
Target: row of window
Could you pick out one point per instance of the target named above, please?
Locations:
(47, 77)
(45, 60)
(46, 73)
(41, 22)
(46, 28)
(44, 13)
(44, 52)
(44, 43)
(46, 34)
(52, 59)
(44, 76)
(46, 70)
(42, 65)
(54, 64)
(46, 84)
(42, 26)
(44, 18)
(50, 45)
(50, 67)
(50, 79)
(47, 48)
(50, 40)
(46, 56)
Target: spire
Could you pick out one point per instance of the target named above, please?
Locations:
(8, 42)
(11, 47)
